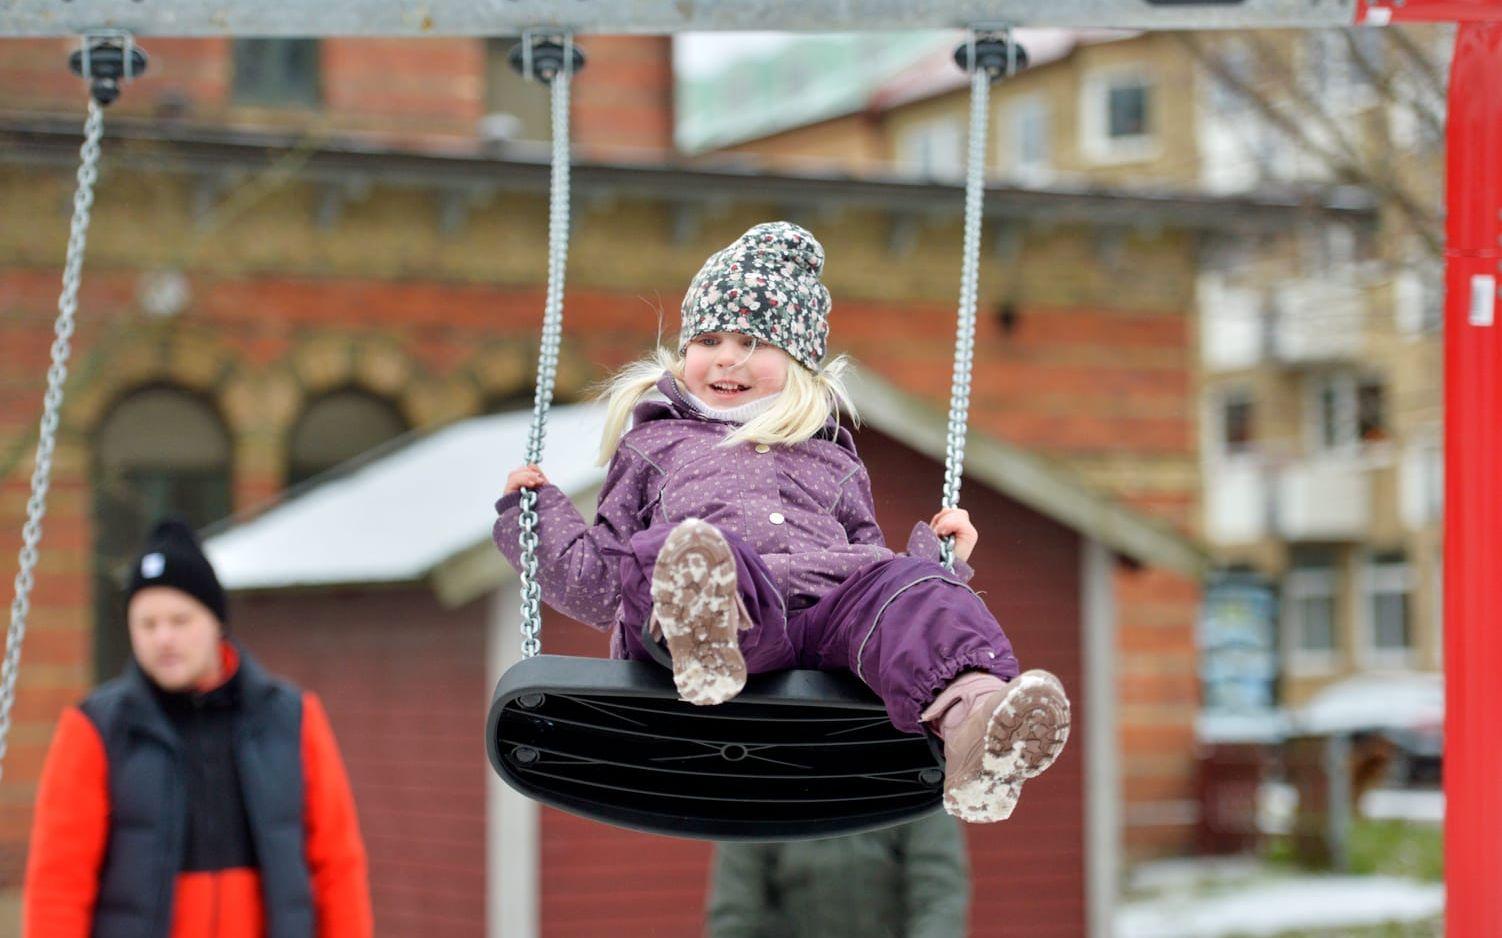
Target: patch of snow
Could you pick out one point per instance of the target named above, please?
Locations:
(1269, 907)
(397, 517)
(1389, 804)
(1277, 805)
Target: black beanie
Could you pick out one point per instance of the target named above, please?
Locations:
(172, 557)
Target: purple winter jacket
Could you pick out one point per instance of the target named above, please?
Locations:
(806, 509)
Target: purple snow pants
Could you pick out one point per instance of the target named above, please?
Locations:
(904, 626)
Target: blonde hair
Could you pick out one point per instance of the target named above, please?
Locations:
(807, 401)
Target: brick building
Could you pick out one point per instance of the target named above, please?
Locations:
(285, 272)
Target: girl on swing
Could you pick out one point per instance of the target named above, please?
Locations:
(737, 521)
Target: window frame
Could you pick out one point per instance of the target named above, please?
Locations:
(300, 471)
(1346, 387)
(307, 92)
(1303, 583)
(129, 492)
(1098, 145)
(1222, 401)
(1026, 110)
(1387, 577)
(921, 135)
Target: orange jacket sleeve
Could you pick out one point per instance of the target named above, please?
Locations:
(336, 853)
(69, 832)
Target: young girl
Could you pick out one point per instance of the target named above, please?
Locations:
(737, 520)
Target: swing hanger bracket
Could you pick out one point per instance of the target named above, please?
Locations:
(542, 53)
(107, 57)
(992, 49)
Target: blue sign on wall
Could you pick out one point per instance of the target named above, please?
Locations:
(1238, 644)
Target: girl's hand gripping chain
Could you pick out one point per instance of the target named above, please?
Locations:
(956, 522)
(527, 477)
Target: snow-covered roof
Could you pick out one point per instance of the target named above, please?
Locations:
(811, 79)
(398, 517)
(1411, 701)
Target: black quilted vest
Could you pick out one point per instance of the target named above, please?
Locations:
(149, 803)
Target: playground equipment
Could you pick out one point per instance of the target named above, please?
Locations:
(1473, 397)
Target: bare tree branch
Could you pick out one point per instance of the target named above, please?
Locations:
(1423, 64)
(1297, 112)
(1386, 84)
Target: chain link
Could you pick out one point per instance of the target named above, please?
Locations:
(964, 340)
(52, 402)
(547, 355)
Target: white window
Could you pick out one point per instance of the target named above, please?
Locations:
(1026, 147)
(1309, 624)
(1346, 412)
(1421, 483)
(1388, 588)
(934, 149)
(1232, 322)
(1118, 119)
(1419, 300)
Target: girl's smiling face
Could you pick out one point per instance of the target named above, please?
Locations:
(728, 369)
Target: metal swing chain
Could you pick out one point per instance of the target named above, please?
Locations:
(964, 342)
(547, 355)
(57, 375)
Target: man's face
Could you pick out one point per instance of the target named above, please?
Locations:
(175, 638)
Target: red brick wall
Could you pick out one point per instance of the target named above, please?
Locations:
(622, 106)
(402, 89)
(405, 685)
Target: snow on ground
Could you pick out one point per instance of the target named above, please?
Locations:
(1388, 804)
(1199, 898)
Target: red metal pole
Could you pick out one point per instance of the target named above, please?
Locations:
(1473, 488)
(1382, 12)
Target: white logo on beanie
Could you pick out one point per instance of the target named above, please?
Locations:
(153, 566)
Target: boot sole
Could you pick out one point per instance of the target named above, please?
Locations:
(697, 608)
(1026, 733)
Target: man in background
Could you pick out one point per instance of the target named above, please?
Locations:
(194, 796)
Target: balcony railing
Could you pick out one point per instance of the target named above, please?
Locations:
(1315, 321)
(1324, 498)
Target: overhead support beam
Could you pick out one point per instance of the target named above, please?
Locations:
(509, 17)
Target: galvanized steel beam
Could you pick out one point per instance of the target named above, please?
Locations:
(507, 17)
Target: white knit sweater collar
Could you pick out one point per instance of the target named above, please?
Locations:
(742, 414)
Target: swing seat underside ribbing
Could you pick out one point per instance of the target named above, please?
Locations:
(797, 755)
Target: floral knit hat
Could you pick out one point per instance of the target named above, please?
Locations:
(764, 284)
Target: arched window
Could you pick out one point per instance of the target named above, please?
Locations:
(338, 427)
(159, 451)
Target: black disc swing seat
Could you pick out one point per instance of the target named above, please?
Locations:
(797, 754)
